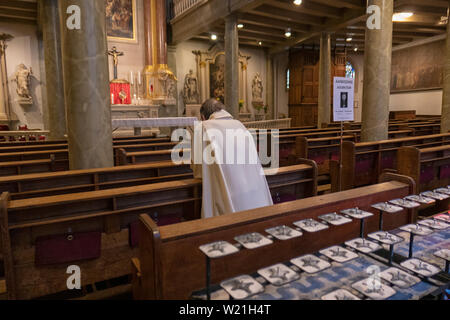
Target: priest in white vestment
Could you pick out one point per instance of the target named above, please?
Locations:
(228, 164)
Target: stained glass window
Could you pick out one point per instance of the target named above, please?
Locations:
(349, 70)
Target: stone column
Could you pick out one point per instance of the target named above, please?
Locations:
(377, 75)
(245, 88)
(4, 88)
(202, 79)
(56, 109)
(170, 110)
(445, 125)
(324, 105)
(3, 92)
(269, 87)
(86, 86)
(232, 66)
(156, 68)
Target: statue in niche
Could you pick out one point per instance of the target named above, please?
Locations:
(165, 78)
(172, 89)
(22, 77)
(191, 94)
(257, 88)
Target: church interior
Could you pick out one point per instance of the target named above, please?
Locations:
(351, 99)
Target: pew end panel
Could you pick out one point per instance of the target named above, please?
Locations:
(348, 168)
(408, 163)
(393, 176)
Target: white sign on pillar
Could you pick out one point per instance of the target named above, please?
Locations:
(343, 99)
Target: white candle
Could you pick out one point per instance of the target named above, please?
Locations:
(112, 98)
(139, 77)
(131, 78)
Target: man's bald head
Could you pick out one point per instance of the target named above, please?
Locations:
(209, 107)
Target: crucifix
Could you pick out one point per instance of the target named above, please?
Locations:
(115, 54)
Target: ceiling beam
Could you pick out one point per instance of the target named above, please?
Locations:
(428, 3)
(17, 20)
(18, 13)
(274, 23)
(350, 4)
(202, 18)
(289, 15)
(349, 18)
(19, 5)
(308, 8)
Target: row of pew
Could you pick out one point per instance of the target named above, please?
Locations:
(34, 222)
(101, 207)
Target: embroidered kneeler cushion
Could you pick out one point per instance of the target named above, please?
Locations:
(444, 172)
(335, 156)
(285, 152)
(283, 198)
(363, 166)
(426, 174)
(68, 248)
(319, 158)
(388, 163)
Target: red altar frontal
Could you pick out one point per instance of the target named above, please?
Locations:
(120, 92)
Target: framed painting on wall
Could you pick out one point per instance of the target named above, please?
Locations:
(121, 22)
(418, 68)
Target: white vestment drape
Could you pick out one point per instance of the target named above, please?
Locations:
(235, 181)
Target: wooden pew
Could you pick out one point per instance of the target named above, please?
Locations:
(320, 150)
(362, 163)
(287, 143)
(428, 167)
(121, 140)
(26, 223)
(18, 163)
(170, 265)
(423, 129)
(32, 166)
(127, 158)
(63, 154)
(395, 125)
(120, 144)
(56, 183)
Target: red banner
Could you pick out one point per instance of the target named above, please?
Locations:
(120, 93)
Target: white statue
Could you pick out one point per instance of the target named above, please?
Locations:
(191, 94)
(22, 77)
(257, 88)
(172, 89)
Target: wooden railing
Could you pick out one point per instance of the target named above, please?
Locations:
(269, 124)
(182, 6)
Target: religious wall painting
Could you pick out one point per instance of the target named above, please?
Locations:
(418, 68)
(121, 22)
(217, 78)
